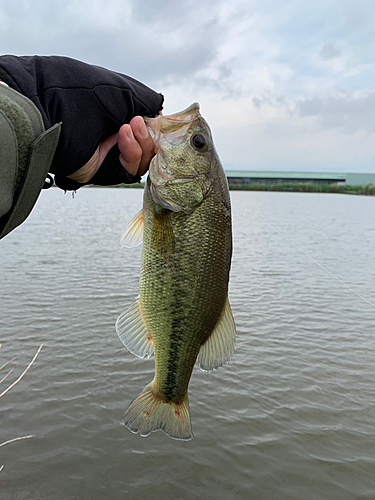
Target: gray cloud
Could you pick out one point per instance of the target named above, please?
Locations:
(242, 58)
(166, 12)
(156, 42)
(344, 112)
(329, 51)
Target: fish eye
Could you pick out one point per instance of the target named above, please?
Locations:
(198, 141)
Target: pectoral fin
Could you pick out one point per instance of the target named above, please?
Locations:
(133, 333)
(134, 232)
(218, 348)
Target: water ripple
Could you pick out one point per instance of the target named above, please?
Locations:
(291, 417)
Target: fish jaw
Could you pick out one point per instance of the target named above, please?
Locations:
(166, 132)
(172, 128)
(179, 173)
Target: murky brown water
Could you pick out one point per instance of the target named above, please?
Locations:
(291, 417)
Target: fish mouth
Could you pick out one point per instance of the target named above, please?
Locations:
(172, 128)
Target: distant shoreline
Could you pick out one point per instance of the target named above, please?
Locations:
(306, 188)
(285, 187)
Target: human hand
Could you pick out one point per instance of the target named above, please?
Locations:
(136, 151)
(136, 146)
(103, 137)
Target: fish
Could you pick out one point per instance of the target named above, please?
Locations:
(182, 314)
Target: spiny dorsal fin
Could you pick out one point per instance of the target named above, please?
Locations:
(219, 347)
(134, 232)
(132, 331)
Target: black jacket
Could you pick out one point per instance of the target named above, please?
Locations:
(79, 106)
(91, 102)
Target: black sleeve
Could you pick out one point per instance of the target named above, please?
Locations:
(91, 102)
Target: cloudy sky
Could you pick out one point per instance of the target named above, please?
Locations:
(284, 84)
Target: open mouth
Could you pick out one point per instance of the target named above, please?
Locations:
(172, 128)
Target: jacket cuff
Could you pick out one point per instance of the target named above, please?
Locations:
(110, 173)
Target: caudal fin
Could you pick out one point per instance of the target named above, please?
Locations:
(149, 412)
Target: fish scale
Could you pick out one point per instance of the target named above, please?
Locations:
(186, 312)
(183, 311)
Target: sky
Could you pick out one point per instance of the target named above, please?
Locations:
(283, 84)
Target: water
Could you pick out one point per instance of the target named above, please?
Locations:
(291, 417)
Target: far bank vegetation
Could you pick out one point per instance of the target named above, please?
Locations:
(306, 188)
(288, 187)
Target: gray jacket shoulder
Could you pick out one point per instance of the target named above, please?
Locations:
(26, 153)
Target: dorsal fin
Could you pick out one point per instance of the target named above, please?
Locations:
(133, 333)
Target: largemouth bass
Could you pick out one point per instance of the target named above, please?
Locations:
(182, 313)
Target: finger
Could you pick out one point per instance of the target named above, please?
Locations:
(89, 169)
(145, 141)
(106, 145)
(131, 151)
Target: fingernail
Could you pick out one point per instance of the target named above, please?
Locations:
(129, 133)
(142, 130)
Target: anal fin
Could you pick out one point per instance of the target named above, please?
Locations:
(219, 347)
(133, 333)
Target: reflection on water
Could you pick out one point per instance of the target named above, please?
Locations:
(291, 417)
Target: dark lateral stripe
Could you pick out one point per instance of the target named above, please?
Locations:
(174, 355)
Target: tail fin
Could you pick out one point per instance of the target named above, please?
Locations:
(148, 413)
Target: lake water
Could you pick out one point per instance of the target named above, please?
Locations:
(291, 417)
